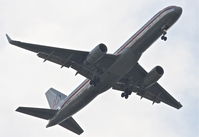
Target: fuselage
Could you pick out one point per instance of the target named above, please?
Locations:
(128, 55)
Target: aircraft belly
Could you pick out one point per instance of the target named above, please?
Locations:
(124, 63)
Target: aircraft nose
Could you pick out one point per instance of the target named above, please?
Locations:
(178, 10)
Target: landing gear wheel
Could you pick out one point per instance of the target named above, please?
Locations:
(126, 96)
(92, 82)
(122, 95)
(164, 38)
(164, 32)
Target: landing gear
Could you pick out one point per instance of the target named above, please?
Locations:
(164, 32)
(164, 38)
(123, 94)
(126, 94)
(94, 81)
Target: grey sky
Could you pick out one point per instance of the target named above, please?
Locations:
(82, 25)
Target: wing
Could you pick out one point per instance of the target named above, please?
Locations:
(155, 93)
(67, 58)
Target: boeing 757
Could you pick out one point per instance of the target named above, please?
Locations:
(119, 71)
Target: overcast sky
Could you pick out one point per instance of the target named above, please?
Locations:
(82, 25)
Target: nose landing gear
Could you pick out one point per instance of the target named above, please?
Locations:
(164, 32)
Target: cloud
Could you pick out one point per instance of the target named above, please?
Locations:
(82, 25)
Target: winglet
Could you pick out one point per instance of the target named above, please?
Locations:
(9, 39)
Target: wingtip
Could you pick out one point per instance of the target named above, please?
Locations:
(8, 38)
(180, 105)
(17, 109)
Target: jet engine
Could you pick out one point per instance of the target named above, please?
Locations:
(96, 54)
(152, 77)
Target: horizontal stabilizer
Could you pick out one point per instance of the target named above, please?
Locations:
(38, 112)
(47, 114)
(72, 125)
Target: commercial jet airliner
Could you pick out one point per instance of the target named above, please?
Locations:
(119, 71)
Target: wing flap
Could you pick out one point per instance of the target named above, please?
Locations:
(164, 96)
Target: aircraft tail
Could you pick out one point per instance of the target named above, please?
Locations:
(47, 114)
(55, 98)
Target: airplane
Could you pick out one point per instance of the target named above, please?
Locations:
(119, 71)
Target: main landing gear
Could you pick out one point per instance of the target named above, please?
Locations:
(164, 32)
(126, 94)
(94, 81)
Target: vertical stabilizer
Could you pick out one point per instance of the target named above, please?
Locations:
(55, 98)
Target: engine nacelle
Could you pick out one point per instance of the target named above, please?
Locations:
(152, 77)
(96, 54)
